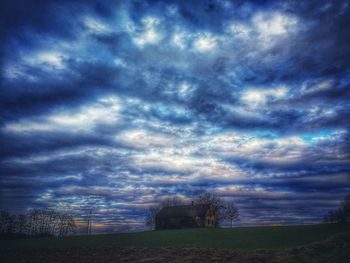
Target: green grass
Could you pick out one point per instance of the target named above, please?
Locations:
(244, 238)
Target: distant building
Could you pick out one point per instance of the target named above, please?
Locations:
(185, 216)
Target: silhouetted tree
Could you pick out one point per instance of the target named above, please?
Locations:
(346, 207)
(44, 222)
(66, 225)
(19, 224)
(341, 214)
(216, 204)
(151, 216)
(231, 212)
(33, 222)
(330, 217)
(171, 201)
(50, 222)
(6, 223)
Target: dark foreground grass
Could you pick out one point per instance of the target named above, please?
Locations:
(274, 238)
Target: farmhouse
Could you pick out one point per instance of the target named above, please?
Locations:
(185, 216)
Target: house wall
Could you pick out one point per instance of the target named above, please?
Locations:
(210, 219)
(179, 222)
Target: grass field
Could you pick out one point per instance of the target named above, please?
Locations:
(274, 238)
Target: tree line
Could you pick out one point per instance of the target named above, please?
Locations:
(342, 214)
(37, 222)
(224, 210)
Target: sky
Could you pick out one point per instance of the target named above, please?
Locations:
(116, 105)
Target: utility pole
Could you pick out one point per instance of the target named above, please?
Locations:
(89, 223)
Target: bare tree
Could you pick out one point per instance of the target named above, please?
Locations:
(151, 216)
(65, 225)
(171, 201)
(341, 214)
(231, 212)
(43, 222)
(216, 204)
(37, 222)
(50, 222)
(71, 227)
(326, 218)
(332, 216)
(5, 223)
(19, 224)
(345, 206)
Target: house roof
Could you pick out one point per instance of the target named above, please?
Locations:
(183, 211)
